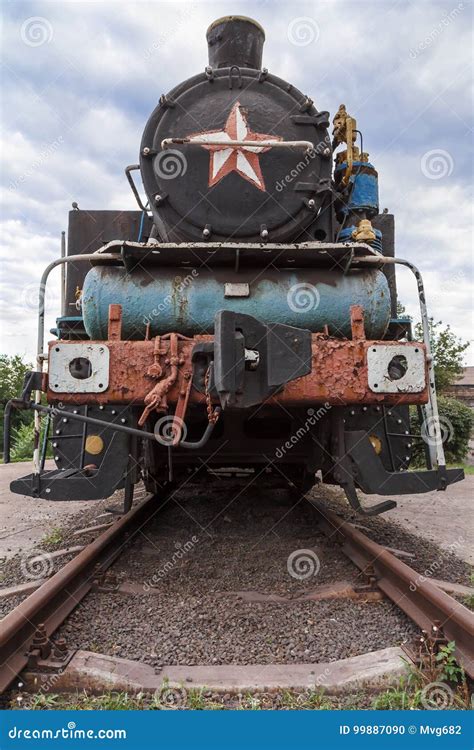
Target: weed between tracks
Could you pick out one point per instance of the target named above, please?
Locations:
(54, 537)
(440, 684)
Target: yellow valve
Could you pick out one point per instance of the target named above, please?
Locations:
(364, 232)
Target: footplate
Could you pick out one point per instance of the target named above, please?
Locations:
(372, 478)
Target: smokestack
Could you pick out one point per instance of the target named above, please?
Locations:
(235, 40)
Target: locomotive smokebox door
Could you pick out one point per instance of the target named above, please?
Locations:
(201, 152)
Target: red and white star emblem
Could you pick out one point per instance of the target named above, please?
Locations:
(242, 159)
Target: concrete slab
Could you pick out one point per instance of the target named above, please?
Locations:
(445, 518)
(24, 521)
(99, 672)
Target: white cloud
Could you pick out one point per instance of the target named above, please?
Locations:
(90, 89)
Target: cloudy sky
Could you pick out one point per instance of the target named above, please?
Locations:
(80, 79)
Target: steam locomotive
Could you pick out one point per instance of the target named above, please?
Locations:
(243, 321)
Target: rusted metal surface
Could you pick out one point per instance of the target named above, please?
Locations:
(357, 322)
(423, 601)
(47, 608)
(115, 323)
(338, 376)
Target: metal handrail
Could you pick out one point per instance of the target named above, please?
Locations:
(431, 408)
(169, 142)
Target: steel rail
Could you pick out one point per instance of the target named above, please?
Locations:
(53, 602)
(419, 598)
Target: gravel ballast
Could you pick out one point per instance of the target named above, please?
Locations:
(211, 542)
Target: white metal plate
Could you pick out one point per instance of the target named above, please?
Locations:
(236, 289)
(60, 378)
(378, 360)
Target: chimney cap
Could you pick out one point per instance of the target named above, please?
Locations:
(226, 19)
(235, 40)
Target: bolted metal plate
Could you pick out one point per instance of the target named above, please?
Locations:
(61, 380)
(410, 358)
(236, 289)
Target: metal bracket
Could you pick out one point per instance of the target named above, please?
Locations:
(253, 360)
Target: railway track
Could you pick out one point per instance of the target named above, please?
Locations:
(26, 631)
(32, 623)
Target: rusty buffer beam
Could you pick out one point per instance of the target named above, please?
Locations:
(52, 602)
(420, 599)
(339, 374)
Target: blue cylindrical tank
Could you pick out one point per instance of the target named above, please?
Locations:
(364, 195)
(188, 301)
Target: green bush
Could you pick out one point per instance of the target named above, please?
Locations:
(456, 421)
(22, 443)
